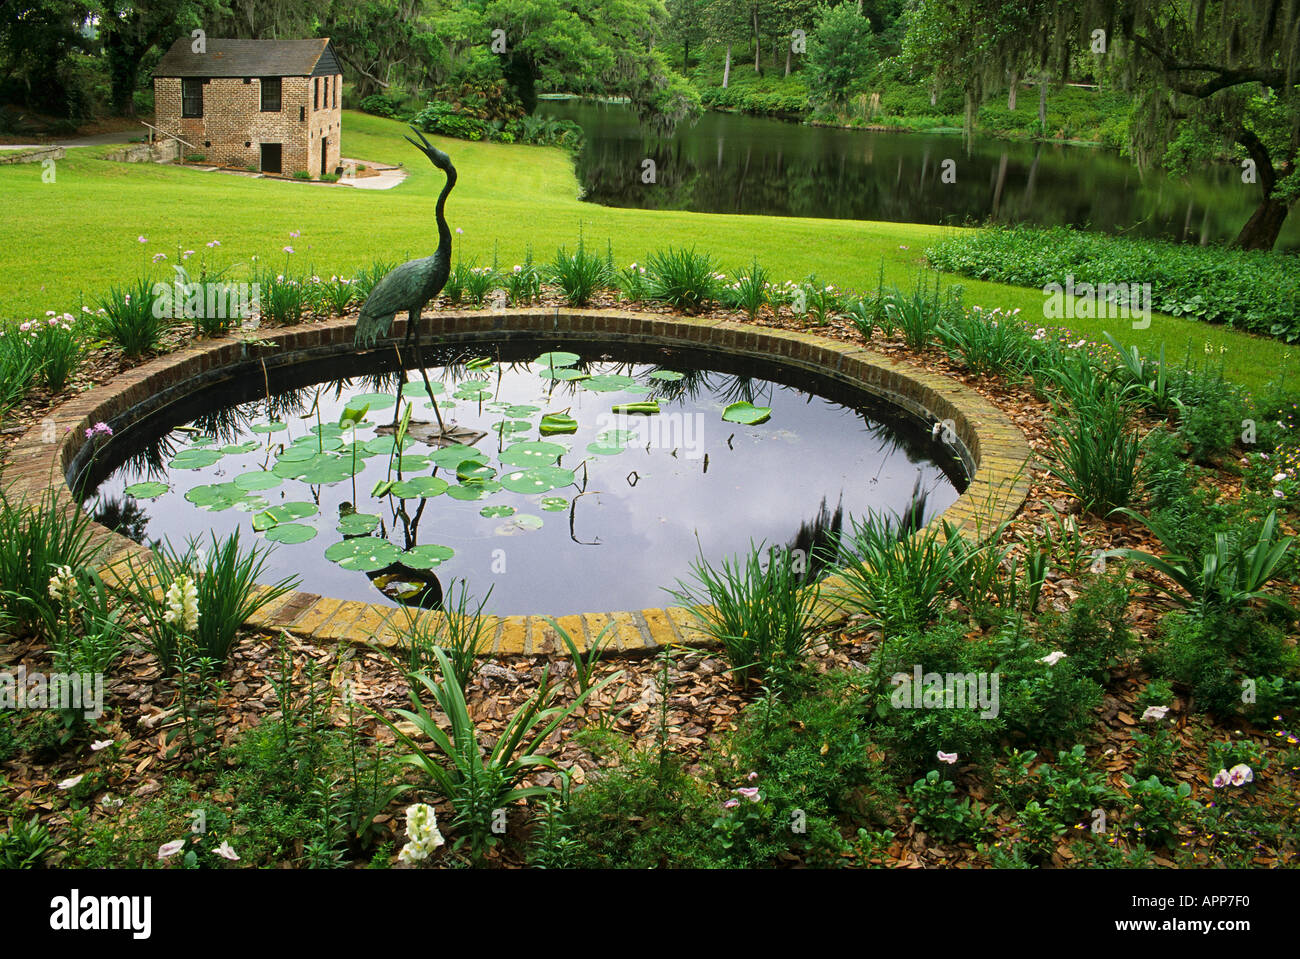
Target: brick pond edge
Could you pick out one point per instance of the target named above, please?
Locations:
(994, 450)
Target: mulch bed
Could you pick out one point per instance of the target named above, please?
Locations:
(703, 703)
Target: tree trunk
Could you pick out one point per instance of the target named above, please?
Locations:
(1042, 103)
(789, 49)
(1011, 94)
(686, 56)
(757, 69)
(726, 69)
(1265, 224)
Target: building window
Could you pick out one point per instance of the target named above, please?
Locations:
(270, 94)
(315, 100)
(338, 82)
(191, 97)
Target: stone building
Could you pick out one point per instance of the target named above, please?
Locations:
(270, 105)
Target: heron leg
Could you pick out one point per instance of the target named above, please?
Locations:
(419, 359)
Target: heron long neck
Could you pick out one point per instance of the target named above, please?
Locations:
(444, 232)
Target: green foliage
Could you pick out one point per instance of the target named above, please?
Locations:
(993, 343)
(523, 284)
(335, 295)
(26, 844)
(128, 318)
(937, 810)
(36, 537)
(226, 580)
(478, 781)
(1093, 632)
(1250, 290)
(747, 292)
(579, 275)
(20, 365)
(762, 614)
(840, 51)
(684, 279)
(920, 314)
(459, 630)
(1096, 454)
(368, 276)
(1157, 811)
(894, 576)
(284, 300)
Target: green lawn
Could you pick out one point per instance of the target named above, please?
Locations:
(66, 242)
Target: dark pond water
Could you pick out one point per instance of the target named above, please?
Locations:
(729, 163)
(601, 519)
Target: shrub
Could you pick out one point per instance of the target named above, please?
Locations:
(1093, 632)
(364, 282)
(476, 780)
(225, 591)
(762, 615)
(895, 576)
(1252, 290)
(283, 300)
(301, 175)
(523, 284)
(19, 367)
(381, 106)
(937, 810)
(128, 318)
(1096, 453)
(335, 295)
(747, 292)
(36, 538)
(683, 279)
(994, 343)
(453, 292)
(442, 118)
(920, 314)
(479, 282)
(579, 275)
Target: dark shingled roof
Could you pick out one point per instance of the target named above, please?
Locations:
(249, 58)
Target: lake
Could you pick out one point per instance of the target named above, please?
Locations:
(731, 163)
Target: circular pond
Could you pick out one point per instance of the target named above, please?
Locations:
(570, 478)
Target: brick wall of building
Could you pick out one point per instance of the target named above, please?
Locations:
(233, 126)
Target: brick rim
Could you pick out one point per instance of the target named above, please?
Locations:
(995, 450)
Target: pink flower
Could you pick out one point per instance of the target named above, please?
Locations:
(1155, 712)
(288, 249)
(214, 243)
(294, 234)
(70, 783)
(141, 239)
(159, 256)
(168, 849)
(731, 804)
(752, 776)
(948, 758)
(750, 793)
(225, 852)
(1221, 779)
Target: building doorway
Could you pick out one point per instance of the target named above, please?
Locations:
(271, 158)
(324, 154)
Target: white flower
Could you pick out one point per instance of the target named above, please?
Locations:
(99, 744)
(948, 758)
(1155, 712)
(182, 599)
(1221, 779)
(71, 783)
(170, 848)
(1051, 659)
(61, 584)
(225, 852)
(1278, 477)
(422, 834)
(1241, 774)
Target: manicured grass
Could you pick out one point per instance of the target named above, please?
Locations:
(65, 243)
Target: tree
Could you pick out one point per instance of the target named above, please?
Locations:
(1208, 76)
(686, 26)
(131, 30)
(37, 37)
(839, 52)
(728, 22)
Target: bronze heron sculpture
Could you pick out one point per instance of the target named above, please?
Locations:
(409, 287)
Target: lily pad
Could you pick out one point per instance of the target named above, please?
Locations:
(537, 479)
(376, 401)
(364, 553)
(415, 389)
(384, 444)
(150, 489)
(649, 408)
(426, 556)
(747, 414)
(522, 409)
(668, 376)
(608, 382)
(324, 472)
(532, 454)
(474, 470)
(558, 423)
(600, 448)
(258, 480)
(194, 459)
(512, 426)
(275, 426)
(474, 489)
(290, 533)
(450, 457)
(523, 523)
(358, 524)
(215, 497)
(289, 512)
(419, 487)
(234, 449)
(472, 396)
(563, 373)
(496, 512)
(557, 358)
(298, 453)
(554, 504)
